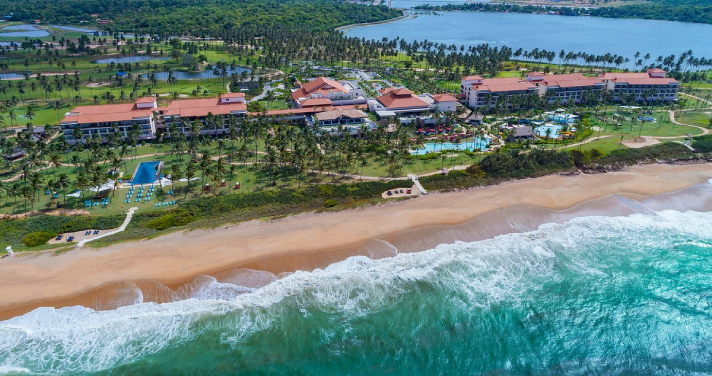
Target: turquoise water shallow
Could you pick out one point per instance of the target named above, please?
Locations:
(594, 296)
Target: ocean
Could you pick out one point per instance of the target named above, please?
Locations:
(595, 295)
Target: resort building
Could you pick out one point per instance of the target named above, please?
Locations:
(146, 117)
(350, 121)
(487, 92)
(326, 92)
(101, 121)
(186, 111)
(651, 85)
(565, 88)
(444, 102)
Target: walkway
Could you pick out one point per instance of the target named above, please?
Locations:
(672, 119)
(415, 180)
(121, 228)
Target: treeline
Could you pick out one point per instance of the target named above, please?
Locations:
(667, 10)
(197, 17)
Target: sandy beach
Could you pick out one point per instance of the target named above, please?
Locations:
(315, 240)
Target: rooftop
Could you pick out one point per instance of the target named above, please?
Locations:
(202, 107)
(499, 85)
(321, 85)
(339, 113)
(393, 98)
(106, 113)
(638, 78)
(444, 98)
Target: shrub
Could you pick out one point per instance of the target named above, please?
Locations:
(330, 203)
(34, 239)
(702, 144)
(173, 219)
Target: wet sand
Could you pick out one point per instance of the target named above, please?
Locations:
(99, 278)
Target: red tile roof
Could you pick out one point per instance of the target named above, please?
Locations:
(500, 85)
(146, 100)
(472, 78)
(394, 98)
(444, 98)
(316, 102)
(656, 70)
(639, 78)
(106, 113)
(201, 107)
(571, 80)
(232, 95)
(321, 85)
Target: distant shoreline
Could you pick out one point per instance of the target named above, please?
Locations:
(406, 16)
(313, 240)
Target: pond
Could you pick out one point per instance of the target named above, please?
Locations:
(185, 75)
(29, 31)
(437, 147)
(128, 59)
(74, 28)
(593, 35)
(11, 76)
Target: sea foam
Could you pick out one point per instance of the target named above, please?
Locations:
(479, 274)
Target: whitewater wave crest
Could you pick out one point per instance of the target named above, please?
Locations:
(479, 274)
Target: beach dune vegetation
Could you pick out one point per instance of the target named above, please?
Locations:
(34, 239)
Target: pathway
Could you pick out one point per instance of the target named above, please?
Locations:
(672, 118)
(415, 180)
(268, 87)
(121, 228)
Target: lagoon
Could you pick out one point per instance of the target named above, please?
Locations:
(74, 28)
(29, 31)
(593, 35)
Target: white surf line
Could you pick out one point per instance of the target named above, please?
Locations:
(118, 230)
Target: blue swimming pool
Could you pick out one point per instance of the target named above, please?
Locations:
(145, 173)
(436, 147)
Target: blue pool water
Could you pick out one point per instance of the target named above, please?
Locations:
(145, 173)
(541, 130)
(436, 147)
(563, 118)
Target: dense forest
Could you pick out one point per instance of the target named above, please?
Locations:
(194, 17)
(699, 11)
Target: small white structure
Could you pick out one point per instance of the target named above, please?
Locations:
(9, 251)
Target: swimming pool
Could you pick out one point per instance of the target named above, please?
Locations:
(436, 147)
(555, 129)
(145, 173)
(565, 118)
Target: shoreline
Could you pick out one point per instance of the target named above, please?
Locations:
(404, 17)
(99, 278)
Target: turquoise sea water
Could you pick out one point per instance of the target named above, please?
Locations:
(594, 296)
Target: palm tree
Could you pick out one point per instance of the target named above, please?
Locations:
(63, 183)
(175, 173)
